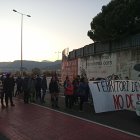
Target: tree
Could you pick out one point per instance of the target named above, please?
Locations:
(36, 71)
(47, 73)
(118, 19)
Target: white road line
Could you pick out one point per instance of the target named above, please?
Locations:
(83, 119)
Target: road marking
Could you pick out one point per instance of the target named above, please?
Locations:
(83, 119)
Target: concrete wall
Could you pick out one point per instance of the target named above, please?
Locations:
(120, 63)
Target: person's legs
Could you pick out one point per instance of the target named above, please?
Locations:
(38, 94)
(56, 100)
(66, 101)
(75, 99)
(2, 97)
(70, 101)
(25, 97)
(52, 99)
(32, 96)
(28, 97)
(43, 96)
(11, 100)
(6, 99)
(81, 103)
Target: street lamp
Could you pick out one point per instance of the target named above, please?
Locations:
(21, 65)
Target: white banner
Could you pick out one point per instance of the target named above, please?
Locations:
(114, 95)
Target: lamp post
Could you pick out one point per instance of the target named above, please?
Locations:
(21, 64)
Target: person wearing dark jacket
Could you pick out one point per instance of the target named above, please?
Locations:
(8, 89)
(38, 88)
(19, 82)
(83, 92)
(26, 89)
(54, 90)
(44, 88)
(31, 87)
(2, 94)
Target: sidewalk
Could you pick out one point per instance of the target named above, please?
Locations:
(31, 118)
(35, 122)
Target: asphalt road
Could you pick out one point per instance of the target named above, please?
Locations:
(124, 120)
(35, 122)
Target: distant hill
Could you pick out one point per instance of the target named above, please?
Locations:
(29, 65)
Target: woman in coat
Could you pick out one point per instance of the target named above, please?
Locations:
(68, 92)
(54, 90)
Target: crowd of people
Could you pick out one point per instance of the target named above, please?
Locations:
(34, 88)
(76, 91)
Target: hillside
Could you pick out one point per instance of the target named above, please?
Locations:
(29, 65)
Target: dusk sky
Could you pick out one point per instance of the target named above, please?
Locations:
(53, 26)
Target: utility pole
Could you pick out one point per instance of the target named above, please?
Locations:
(58, 54)
(21, 64)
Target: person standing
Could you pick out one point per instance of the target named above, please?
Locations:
(44, 88)
(68, 87)
(13, 87)
(2, 94)
(19, 82)
(75, 83)
(38, 88)
(26, 89)
(83, 92)
(8, 89)
(54, 90)
(31, 87)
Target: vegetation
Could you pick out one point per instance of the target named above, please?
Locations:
(36, 71)
(117, 20)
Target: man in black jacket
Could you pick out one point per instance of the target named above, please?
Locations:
(44, 88)
(2, 94)
(8, 89)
